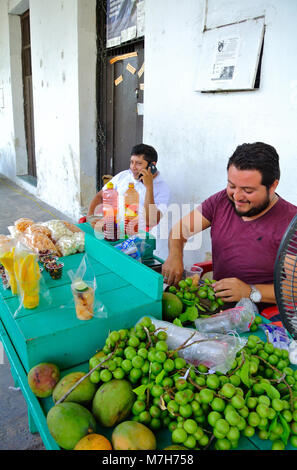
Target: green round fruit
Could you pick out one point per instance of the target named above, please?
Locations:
(172, 306)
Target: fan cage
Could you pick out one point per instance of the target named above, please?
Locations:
(285, 279)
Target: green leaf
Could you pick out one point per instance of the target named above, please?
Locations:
(271, 391)
(272, 425)
(160, 376)
(245, 373)
(286, 430)
(249, 393)
(141, 389)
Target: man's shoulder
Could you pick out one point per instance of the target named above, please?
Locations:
(160, 182)
(218, 197)
(285, 209)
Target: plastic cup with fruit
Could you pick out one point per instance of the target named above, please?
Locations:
(84, 299)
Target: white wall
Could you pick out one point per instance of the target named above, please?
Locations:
(63, 50)
(195, 133)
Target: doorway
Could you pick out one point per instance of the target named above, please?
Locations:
(28, 92)
(120, 93)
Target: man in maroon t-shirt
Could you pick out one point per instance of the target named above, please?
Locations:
(247, 220)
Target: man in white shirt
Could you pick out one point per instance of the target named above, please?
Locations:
(154, 193)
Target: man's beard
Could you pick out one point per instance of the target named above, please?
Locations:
(254, 210)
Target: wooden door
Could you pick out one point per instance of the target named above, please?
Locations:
(27, 91)
(124, 98)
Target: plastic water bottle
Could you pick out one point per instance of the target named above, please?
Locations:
(237, 319)
(131, 201)
(110, 213)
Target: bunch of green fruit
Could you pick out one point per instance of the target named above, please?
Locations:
(198, 300)
(203, 409)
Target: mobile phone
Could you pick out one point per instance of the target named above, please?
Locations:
(153, 169)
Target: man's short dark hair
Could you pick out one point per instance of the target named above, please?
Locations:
(148, 152)
(257, 156)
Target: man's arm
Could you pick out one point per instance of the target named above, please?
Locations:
(233, 289)
(192, 223)
(152, 214)
(97, 199)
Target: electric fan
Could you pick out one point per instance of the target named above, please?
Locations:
(285, 278)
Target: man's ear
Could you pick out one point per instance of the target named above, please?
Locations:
(273, 187)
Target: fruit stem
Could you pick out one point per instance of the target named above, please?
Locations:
(84, 377)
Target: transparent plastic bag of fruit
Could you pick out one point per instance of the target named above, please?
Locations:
(216, 351)
(85, 293)
(7, 254)
(32, 289)
(237, 319)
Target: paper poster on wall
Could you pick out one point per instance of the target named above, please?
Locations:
(225, 58)
(118, 80)
(124, 21)
(229, 56)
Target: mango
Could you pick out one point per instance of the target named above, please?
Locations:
(113, 402)
(43, 378)
(83, 393)
(172, 306)
(69, 422)
(175, 447)
(131, 435)
(93, 442)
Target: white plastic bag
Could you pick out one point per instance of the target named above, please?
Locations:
(237, 319)
(216, 351)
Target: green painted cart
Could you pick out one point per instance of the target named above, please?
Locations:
(52, 333)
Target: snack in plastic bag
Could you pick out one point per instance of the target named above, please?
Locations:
(22, 224)
(237, 319)
(216, 351)
(58, 229)
(38, 242)
(68, 245)
(38, 228)
(83, 287)
(72, 227)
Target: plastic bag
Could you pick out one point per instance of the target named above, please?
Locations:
(133, 246)
(70, 244)
(31, 285)
(293, 352)
(7, 254)
(276, 335)
(38, 242)
(216, 351)
(237, 319)
(58, 229)
(85, 292)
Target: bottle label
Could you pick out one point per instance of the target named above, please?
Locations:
(111, 228)
(131, 219)
(131, 210)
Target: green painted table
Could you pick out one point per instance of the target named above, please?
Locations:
(38, 408)
(52, 333)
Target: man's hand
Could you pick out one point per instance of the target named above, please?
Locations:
(147, 178)
(172, 270)
(231, 289)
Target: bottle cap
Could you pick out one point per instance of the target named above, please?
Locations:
(131, 185)
(109, 185)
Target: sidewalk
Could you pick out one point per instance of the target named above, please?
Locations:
(15, 202)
